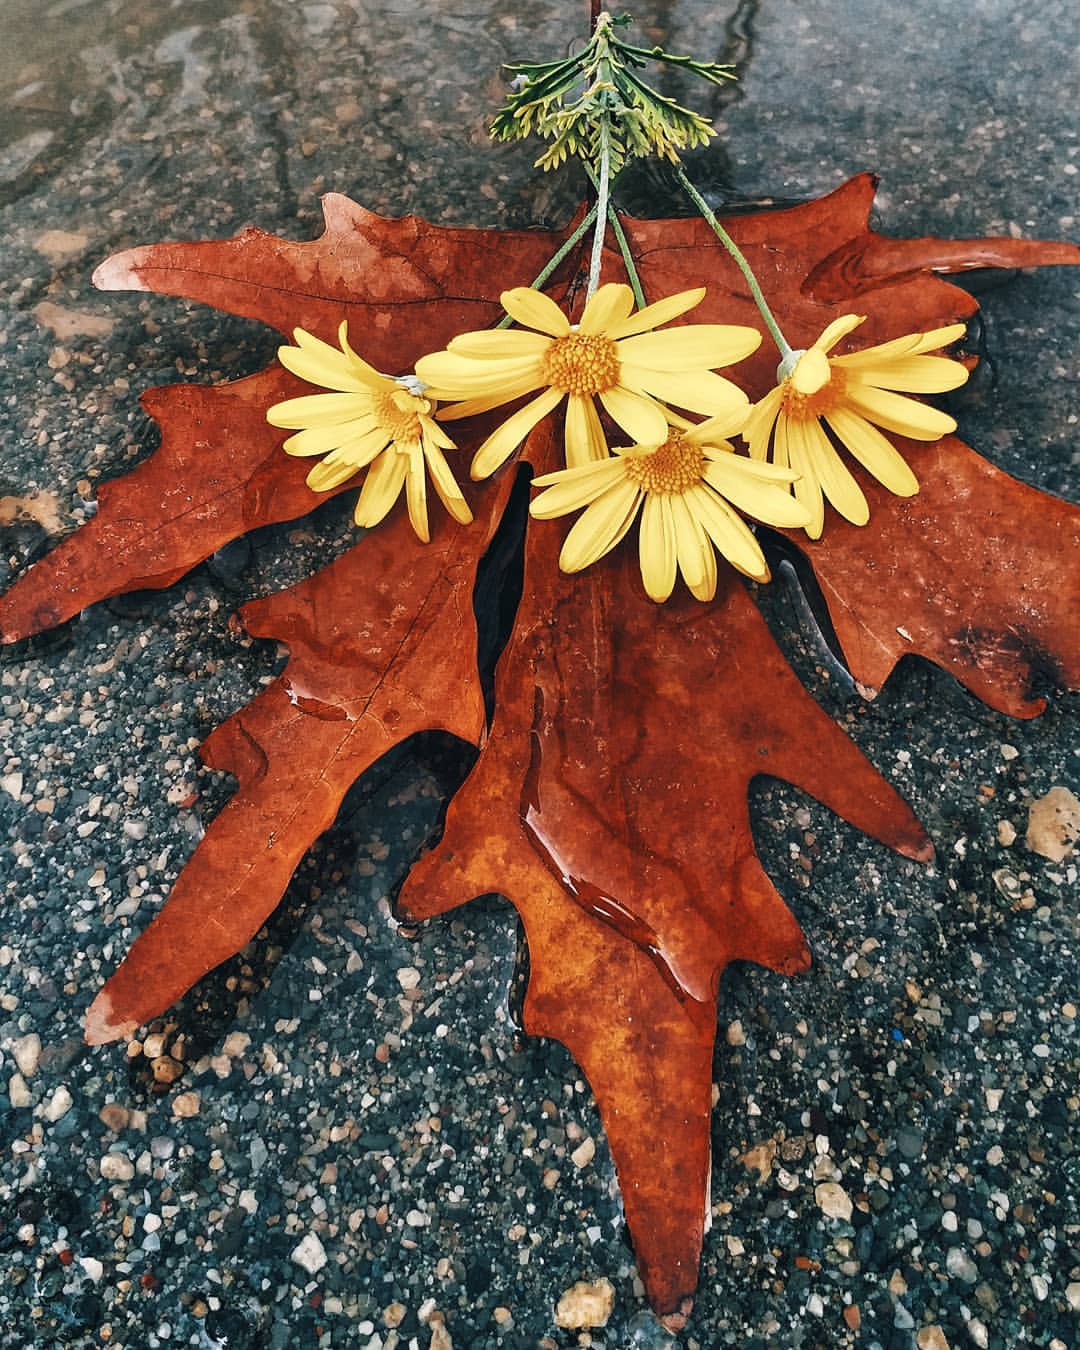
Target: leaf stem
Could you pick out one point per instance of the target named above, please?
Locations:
(603, 190)
(624, 245)
(627, 257)
(556, 259)
(783, 346)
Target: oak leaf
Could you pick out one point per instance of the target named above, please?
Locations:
(609, 801)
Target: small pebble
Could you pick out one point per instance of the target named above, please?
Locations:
(58, 1105)
(585, 1304)
(27, 1053)
(186, 1105)
(1054, 824)
(309, 1254)
(833, 1200)
(92, 1268)
(117, 1167)
(960, 1265)
(18, 1092)
(394, 1315)
(114, 1117)
(584, 1153)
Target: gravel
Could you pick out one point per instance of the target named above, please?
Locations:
(341, 1138)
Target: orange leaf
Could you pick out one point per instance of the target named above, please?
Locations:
(610, 801)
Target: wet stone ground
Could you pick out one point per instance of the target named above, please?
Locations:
(340, 1139)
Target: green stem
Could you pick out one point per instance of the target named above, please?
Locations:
(624, 245)
(556, 259)
(783, 346)
(628, 261)
(602, 198)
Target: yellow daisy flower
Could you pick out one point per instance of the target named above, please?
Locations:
(685, 490)
(371, 421)
(853, 395)
(612, 355)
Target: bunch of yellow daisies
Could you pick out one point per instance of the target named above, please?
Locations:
(691, 489)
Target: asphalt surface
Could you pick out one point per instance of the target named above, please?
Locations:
(327, 1106)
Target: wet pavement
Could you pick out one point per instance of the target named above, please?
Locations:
(342, 1092)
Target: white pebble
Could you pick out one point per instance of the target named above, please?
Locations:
(585, 1305)
(116, 1167)
(27, 1052)
(309, 1253)
(58, 1105)
(18, 1092)
(408, 977)
(583, 1155)
(833, 1200)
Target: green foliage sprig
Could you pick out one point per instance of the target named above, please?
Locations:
(595, 104)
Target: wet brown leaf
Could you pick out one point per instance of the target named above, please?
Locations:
(610, 800)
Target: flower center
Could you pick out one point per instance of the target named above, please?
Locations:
(398, 413)
(670, 469)
(582, 363)
(815, 387)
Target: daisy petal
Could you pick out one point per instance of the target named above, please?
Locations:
(694, 345)
(771, 503)
(445, 484)
(434, 433)
(498, 343)
(465, 377)
(361, 449)
(416, 493)
(938, 338)
(652, 316)
(693, 548)
(573, 489)
(533, 309)
(759, 423)
(884, 351)
(600, 527)
(657, 553)
(362, 369)
(894, 412)
(706, 588)
(584, 436)
(876, 454)
(318, 440)
(330, 473)
(314, 410)
(791, 444)
(610, 305)
(811, 372)
(760, 471)
(639, 417)
(504, 440)
(915, 374)
(326, 367)
(381, 489)
(729, 532)
(469, 407)
(839, 328)
(834, 476)
(699, 391)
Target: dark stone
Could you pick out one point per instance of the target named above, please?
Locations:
(477, 1278)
